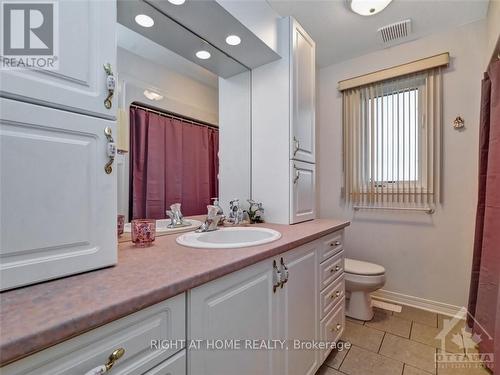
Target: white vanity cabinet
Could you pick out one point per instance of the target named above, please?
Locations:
(283, 129)
(249, 304)
(85, 39)
(133, 333)
(58, 205)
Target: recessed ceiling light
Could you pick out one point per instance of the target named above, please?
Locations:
(367, 7)
(233, 40)
(177, 2)
(144, 20)
(203, 54)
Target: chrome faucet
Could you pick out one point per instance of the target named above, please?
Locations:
(235, 212)
(212, 220)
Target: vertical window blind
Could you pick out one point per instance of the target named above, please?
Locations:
(392, 141)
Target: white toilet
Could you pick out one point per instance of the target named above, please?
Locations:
(362, 278)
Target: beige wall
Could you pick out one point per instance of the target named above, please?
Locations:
(426, 256)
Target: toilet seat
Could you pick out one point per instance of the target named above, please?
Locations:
(358, 267)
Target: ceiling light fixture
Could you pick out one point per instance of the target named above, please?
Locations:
(177, 2)
(144, 20)
(151, 95)
(203, 55)
(367, 7)
(233, 40)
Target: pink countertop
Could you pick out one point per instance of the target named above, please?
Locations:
(38, 316)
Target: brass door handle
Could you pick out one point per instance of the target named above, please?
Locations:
(297, 174)
(110, 85)
(111, 150)
(114, 357)
(296, 145)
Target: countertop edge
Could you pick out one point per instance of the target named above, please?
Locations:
(9, 351)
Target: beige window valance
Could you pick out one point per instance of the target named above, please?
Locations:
(396, 71)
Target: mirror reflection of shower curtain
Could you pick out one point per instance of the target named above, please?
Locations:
(171, 161)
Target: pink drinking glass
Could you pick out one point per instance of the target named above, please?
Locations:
(120, 224)
(143, 232)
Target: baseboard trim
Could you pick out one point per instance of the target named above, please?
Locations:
(421, 303)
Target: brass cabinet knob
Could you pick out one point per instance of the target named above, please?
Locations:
(336, 328)
(337, 243)
(337, 293)
(337, 268)
(113, 357)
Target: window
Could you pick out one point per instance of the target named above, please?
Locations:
(391, 141)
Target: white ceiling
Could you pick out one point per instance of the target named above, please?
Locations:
(341, 34)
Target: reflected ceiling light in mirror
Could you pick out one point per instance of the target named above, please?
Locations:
(144, 20)
(151, 95)
(233, 40)
(367, 7)
(203, 55)
(177, 2)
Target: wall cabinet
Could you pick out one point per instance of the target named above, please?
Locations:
(302, 83)
(283, 128)
(86, 353)
(58, 204)
(86, 40)
(302, 191)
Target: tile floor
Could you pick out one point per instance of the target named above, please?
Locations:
(396, 344)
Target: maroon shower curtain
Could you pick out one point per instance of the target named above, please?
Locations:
(484, 295)
(171, 161)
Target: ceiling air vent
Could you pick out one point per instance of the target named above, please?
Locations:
(395, 32)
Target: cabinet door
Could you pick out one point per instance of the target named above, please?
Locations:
(172, 366)
(86, 40)
(302, 191)
(240, 306)
(58, 206)
(299, 310)
(303, 95)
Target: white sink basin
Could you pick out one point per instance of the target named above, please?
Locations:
(226, 238)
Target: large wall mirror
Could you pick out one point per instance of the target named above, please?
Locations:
(184, 117)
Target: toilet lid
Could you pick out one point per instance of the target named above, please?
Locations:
(359, 267)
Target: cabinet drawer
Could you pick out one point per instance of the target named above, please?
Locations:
(331, 245)
(331, 269)
(331, 295)
(133, 333)
(172, 366)
(332, 327)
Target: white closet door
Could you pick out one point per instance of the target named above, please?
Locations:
(302, 191)
(86, 41)
(303, 78)
(57, 204)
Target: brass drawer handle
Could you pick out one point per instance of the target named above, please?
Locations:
(332, 270)
(336, 243)
(113, 357)
(337, 294)
(336, 328)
